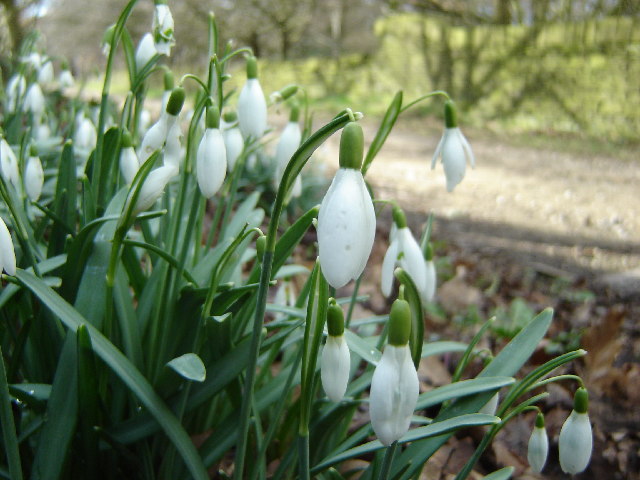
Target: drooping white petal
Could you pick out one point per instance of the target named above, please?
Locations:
(9, 163)
(16, 87)
(66, 79)
(491, 406)
(296, 190)
(7, 253)
(34, 100)
(388, 266)
(45, 74)
(438, 151)
(153, 187)
(346, 228)
(173, 151)
(432, 280)
(538, 449)
(412, 261)
(467, 149)
(33, 178)
(394, 393)
(252, 110)
(334, 367)
(287, 146)
(145, 52)
(453, 159)
(234, 144)
(211, 166)
(162, 27)
(129, 164)
(575, 443)
(156, 136)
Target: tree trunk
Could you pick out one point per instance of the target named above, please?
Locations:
(14, 22)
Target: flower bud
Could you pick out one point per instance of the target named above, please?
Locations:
(33, 177)
(538, 445)
(7, 253)
(211, 166)
(153, 187)
(576, 438)
(9, 164)
(335, 364)
(252, 106)
(261, 245)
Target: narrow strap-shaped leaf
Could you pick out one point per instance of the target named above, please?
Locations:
(8, 426)
(416, 337)
(170, 259)
(64, 203)
(388, 121)
(461, 389)
(502, 474)
(124, 369)
(88, 400)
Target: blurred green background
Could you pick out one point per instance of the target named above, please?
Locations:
(567, 68)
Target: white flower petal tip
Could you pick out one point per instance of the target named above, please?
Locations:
(7, 253)
(34, 100)
(145, 52)
(394, 394)
(455, 151)
(346, 228)
(334, 367)
(538, 449)
(234, 145)
(162, 27)
(252, 110)
(405, 252)
(575, 443)
(211, 166)
(153, 187)
(33, 178)
(129, 164)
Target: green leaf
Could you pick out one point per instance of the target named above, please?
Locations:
(36, 395)
(502, 474)
(124, 369)
(64, 203)
(461, 389)
(388, 121)
(445, 346)
(189, 366)
(412, 296)
(8, 426)
(365, 349)
(429, 431)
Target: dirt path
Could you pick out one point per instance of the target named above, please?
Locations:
(564, 213)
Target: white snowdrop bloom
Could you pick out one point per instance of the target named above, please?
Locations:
(538, 447)
(153, 187)
(162, 28)
(252, 106)
(145, 52)
(66, 79)
(173, 151)
(394, 386)
(46, 74)
(404, 251)
(145, 122)
(454, 150)
(432, 277)
(84, 139)
(7, 253)
(34, 59)
(347, 220)
(335, 361)
(16, 88)
(155, 138)
(42, 132)
(211, 158)
(491, 406)
(576, 437)
(33, 178)
(9, 163)
(129, 164)
(234, 144)
(34, 101)
(287, 146)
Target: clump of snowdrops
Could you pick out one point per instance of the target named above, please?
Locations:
(137, 336)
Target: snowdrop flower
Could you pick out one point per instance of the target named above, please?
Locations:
(346, 221)
(145, 121)
(66, 77)
(16, 88)
(7, 253)
(129, 164)
(287, 146)
(284, 94)
(45, 74)
(156, 136)
(9, 163)
(404, 251)
(211, 159)
(336, 359)
(233, 140)
(432, 277)
(394, 386)
(34, 101)
(42, 132)
(491, 406)
(538, 445)
(252, 106)
(84, 140)
(576, 439)
(173, 151)
(33, 176)
(145, 52)
(153, 187)
(453, 148)
(162, 28)
(34, 59)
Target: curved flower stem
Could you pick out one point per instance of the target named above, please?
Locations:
(424, 97)
(195, 78)
(557, 379)
(298, 160)
(388, 461)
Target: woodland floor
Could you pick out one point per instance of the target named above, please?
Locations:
(529, 228)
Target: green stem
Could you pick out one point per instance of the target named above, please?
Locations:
(352, 302)
(424, 97)
(388, 461)
(303, 456)
(557, 379)
(8, 426)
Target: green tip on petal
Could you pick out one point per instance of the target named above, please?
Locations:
(540, 420)
(230, 116)
(33, 150)
(399, 217)
(168, 80)
(252, 67)
(581, 400)
(450, 114)
(213, 117)
(295, 113)
(428, 252)
(335, 319)
(176, 101)
(127, 140)
(351, 146)
(261, 246)
(399, 323)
